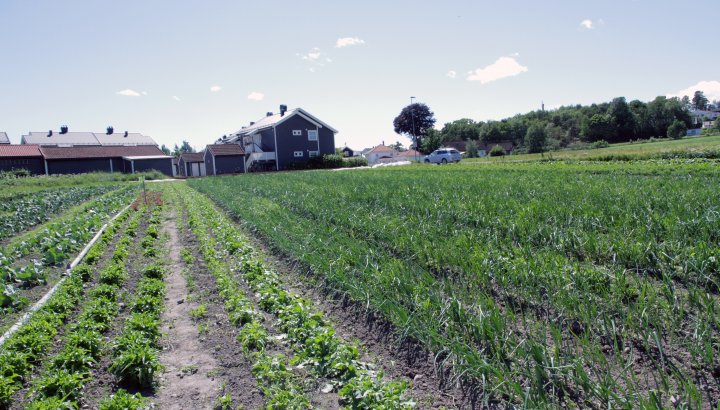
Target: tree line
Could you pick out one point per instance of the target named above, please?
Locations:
(537, 131)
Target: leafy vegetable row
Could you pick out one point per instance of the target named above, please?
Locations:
(310, 336)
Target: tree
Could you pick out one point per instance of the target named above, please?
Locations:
(415, 121)
(182, 149)
(432, 141)
(699, 101)
(461, 130)
(471, 149)
(677, 130)
(685, 100)
(624, 121)
(165, 150)
(535, 138)
(598, 127)
(398, 146)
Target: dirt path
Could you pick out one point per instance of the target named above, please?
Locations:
(188, 381)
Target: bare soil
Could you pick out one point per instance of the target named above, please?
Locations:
(189, 380)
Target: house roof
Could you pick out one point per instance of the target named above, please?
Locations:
(7, 150)
(69, 138)
(119, 138)
(99, 152)
(218, 150)
(86, 138)
(4, 138)
(380, 148)
(193, 157)
(276, 119)
(145, 157)
(410, 153)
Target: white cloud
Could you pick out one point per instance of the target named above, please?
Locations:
(128, 93)
(215, 88)
(588, 24)
(348, 41)
(176, 98)
(313, 55)
(451, 74)
(503, 67)
(711, 89)
(144, 92)
(256, 96)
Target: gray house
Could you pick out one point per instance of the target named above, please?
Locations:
(224, 159)
(82, 159)
(285, 140)
(14, 157)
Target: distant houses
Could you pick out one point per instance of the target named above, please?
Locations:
(224, 159)
(192, 164)
(68, 152)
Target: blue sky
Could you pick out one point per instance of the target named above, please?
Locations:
(196, 70)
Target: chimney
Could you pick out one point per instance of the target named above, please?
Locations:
(126, 134)
(252, 123)
(49, 133)
(268, 114)
(283, 109)
(64, 129)
(109, 130)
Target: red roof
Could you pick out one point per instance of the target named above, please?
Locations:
(381, 148)
(99, 152)
(410, 153)
(193, 157)
(22, 150)
(218, 150)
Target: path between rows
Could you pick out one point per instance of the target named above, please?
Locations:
(187, 381)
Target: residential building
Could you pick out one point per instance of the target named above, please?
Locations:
(283, 140)
(81, 159)
(379, 152)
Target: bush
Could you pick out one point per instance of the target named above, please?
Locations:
(354, 162)
(471, 150)
(599, 144)
(497, 151)
(677, 130)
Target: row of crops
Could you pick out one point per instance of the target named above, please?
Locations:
(297, 354)
(536, 284)
(24, 211)
(102, 323)
(32, 258)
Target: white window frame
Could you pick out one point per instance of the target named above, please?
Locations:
(312, 154)
(297, 133)
(313, 132)
(299, 154)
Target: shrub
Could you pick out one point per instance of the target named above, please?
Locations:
(599, 144)
(677, 130)
(122, 400)
(497, 151)
(354, 162)
(332, 161)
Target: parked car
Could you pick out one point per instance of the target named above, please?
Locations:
(443, 156)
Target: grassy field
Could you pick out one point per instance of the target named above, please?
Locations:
(637, 150)
(536, 284)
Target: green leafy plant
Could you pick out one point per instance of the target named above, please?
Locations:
(122, 400)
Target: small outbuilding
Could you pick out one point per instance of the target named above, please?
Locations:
(192, 164)
(82, 159)
(224, 159)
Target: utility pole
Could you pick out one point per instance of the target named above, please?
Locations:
(412, 117)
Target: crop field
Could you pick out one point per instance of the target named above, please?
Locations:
(531, 285)
(534, 285)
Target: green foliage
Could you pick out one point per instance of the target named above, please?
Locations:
(199, 312)
(415, 120)
(61, 383)
(253, 337)
(374, 394)
(137, 365)
(497, 151)
(122, 400)
(354, 162)
(535, 138)
(155, 271)
(471, 149)
(432, 140)
(677, 130)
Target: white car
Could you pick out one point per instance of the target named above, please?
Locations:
(443, 156)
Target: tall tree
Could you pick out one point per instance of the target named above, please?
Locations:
(432, 141)
(624, 121)
(535, 138)
(699, 101)
(463, 129)
(415, 121)
(165, 150)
